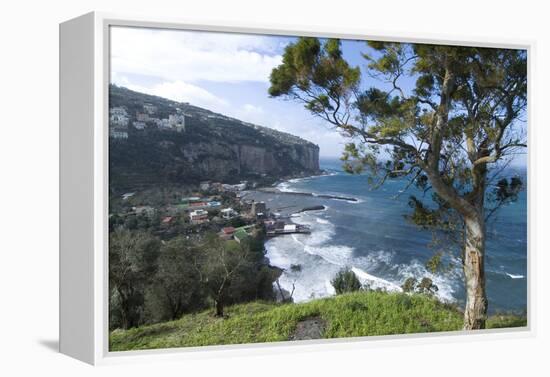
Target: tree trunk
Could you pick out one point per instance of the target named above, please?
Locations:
(475, 312)
(219, 308)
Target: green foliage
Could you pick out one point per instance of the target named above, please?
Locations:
(508, 189)
(315, 72)
(234, 272)
(236, 222)
(409, 285)
(435, 262)
(462, 118)
(151, 281)
(425, 286)
(346, 281)
(132, 265)
(348, 315)
(503, 321)
(177, 287)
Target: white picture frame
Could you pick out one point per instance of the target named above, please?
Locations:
(84, 78)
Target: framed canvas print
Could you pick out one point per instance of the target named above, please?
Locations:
(224, 187)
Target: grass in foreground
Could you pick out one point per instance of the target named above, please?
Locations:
(349, 315)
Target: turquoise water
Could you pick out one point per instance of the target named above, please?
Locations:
(373, 238)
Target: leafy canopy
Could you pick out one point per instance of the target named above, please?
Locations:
(448, 118)
(444, 116)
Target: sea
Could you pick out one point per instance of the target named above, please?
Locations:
(373, 238)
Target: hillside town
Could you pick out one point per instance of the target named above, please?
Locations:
(120, 120)
(213, 207)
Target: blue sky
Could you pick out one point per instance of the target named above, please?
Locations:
(224, 72)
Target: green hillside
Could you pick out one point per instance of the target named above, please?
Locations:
(348, 315)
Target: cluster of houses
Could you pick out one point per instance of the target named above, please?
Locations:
(119, 120)
(200, 210)
(198, 207)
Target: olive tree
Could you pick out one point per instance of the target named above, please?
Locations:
(177, 287)
(450, 133)
(223, 269)
(132, 265)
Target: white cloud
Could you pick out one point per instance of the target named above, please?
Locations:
(179, 65)
(177, 91)
(190, 56)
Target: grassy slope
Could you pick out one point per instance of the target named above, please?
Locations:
(355, 314)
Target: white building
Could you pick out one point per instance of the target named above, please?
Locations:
(229, 213)
(290, 228)
(177, 122)
(198, 216)
(118, 117)
(117, 133)
(149, 109)
(163, 123)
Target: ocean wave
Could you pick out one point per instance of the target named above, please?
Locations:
(515, 276)
(445, 282)
(502, 272)
(375, 282)
(336, 255)
(320, 259)
(285, 187)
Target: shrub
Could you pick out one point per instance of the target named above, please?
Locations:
(295, 267)
(425, 286)
(409, 285)
(346, 281)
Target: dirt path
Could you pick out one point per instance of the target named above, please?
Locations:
(311, 328)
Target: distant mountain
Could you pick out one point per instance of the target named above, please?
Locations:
(162, 141)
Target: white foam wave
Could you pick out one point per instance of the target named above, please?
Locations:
(445, 282)
(375, 282)
(515, 276)
(337, 255)
(285, 187)
(320, 259)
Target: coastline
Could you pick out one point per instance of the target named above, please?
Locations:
(371, 236)
(276, 190)
(309, 262)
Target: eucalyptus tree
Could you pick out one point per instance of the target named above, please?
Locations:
(447, 117)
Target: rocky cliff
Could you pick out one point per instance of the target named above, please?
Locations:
(211, 147)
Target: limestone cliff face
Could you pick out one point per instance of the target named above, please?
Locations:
(223, 160)
(212, 147)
